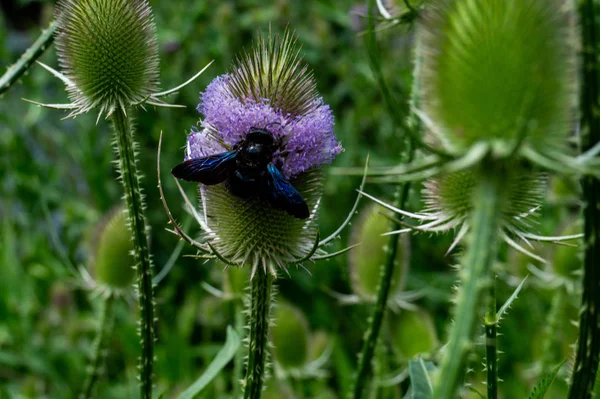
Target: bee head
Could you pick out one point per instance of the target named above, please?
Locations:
(257, 148)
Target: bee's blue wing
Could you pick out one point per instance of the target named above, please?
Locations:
(209, 170)
(282, 195)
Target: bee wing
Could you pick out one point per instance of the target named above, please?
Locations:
(209, 170)
(282, 195)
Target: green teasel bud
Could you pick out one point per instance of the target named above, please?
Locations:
(318, 344)
(366, 259)
(112, 260)
(108, 50)
(290, 335)
(413, 333)
(498, 71)
(449, 197)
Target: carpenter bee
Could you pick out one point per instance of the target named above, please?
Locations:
(247, 171)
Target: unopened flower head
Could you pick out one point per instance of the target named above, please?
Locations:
(449, 205)
(111, 260)
(449, 197)
(503, 72)
(269, 89)
(108, 51)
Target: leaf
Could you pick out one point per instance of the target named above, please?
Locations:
(420, 383)
(542, 387)
(510, 300)
(226, 353)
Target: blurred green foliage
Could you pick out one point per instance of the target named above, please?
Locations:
(57, 181)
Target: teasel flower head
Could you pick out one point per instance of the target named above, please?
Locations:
(364, 262)
(110, 269)
(107, 49)
(271, 89)
(449, 204)
(108, 56)
(499, 71)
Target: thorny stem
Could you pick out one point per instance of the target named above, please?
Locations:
(401, 195)
(588, 349)
(481, 253)
(130, 178)
(99, 347)
(238, 360)
(383, 291)
(491, 346)
(259, 320)
(16, 70)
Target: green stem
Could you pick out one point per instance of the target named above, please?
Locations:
(551, 329)
(135, 206)
(490, 323)
(395, 110)
(260, 306)
(238, 360)
(16, 70)
(98, 348)
(475, 270)
(588, 349)
(383, 291)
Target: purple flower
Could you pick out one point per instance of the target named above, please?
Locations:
(269, 88)
(303, 126)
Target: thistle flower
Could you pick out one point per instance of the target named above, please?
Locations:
(272, 90)
(449, 205)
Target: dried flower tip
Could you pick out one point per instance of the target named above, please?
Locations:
(112, 261)
(108, 50)
(273, 71)
(499, 71)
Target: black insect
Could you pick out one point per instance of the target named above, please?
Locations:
(247, 171)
